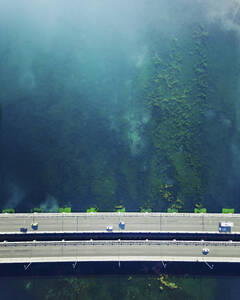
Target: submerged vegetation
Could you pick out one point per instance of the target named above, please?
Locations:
(124, 287)
(8, 211)
(176, 94)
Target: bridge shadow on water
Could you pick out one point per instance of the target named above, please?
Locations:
(120, 268)
(124, 235)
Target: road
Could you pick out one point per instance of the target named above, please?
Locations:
(74, 251)
(134, 222)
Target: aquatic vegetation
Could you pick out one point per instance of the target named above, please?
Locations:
(92, 210)
(166, 283)
(64, 209)
(201, 210)
(37, 210)
(177, 97)
(228, 210)
(120, 208)
(145, 210)
(8, 211)
(123, 287)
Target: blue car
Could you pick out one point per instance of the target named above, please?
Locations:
(23, 229)
(34, 226)
(121, 225)
(205, 251)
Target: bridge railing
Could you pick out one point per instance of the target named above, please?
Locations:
(114, 214)
(120, 243)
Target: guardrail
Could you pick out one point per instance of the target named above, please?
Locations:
(114, 214)
(120, 243)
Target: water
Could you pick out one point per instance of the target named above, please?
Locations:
(114, 103)
(121, 287)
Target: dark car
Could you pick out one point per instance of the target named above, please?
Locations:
(23, 229)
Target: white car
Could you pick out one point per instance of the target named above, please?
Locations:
(109, 228)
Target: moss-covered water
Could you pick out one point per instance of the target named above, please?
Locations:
(126, 103)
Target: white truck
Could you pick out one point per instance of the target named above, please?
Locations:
(225, 226)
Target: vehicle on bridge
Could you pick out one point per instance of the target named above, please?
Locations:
(205, 251)
(121, 225)
(109, 228)
(34, 226)
(225, 226)
(23, 229)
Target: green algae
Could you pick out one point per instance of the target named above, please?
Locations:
(64, 209)
(145, 210)
(124, 287)
(228, 210)
(177, 98)
(120, 209)
(37, 210)
(92, 210)
(8, 211)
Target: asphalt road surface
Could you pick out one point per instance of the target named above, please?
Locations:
(74, 251)
(134, 222)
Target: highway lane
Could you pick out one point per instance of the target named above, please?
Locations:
(11, 252)
(134, 222)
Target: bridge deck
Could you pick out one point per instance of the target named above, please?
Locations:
(27, 252)
(134, 222)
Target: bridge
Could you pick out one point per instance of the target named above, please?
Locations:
(142, 239)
